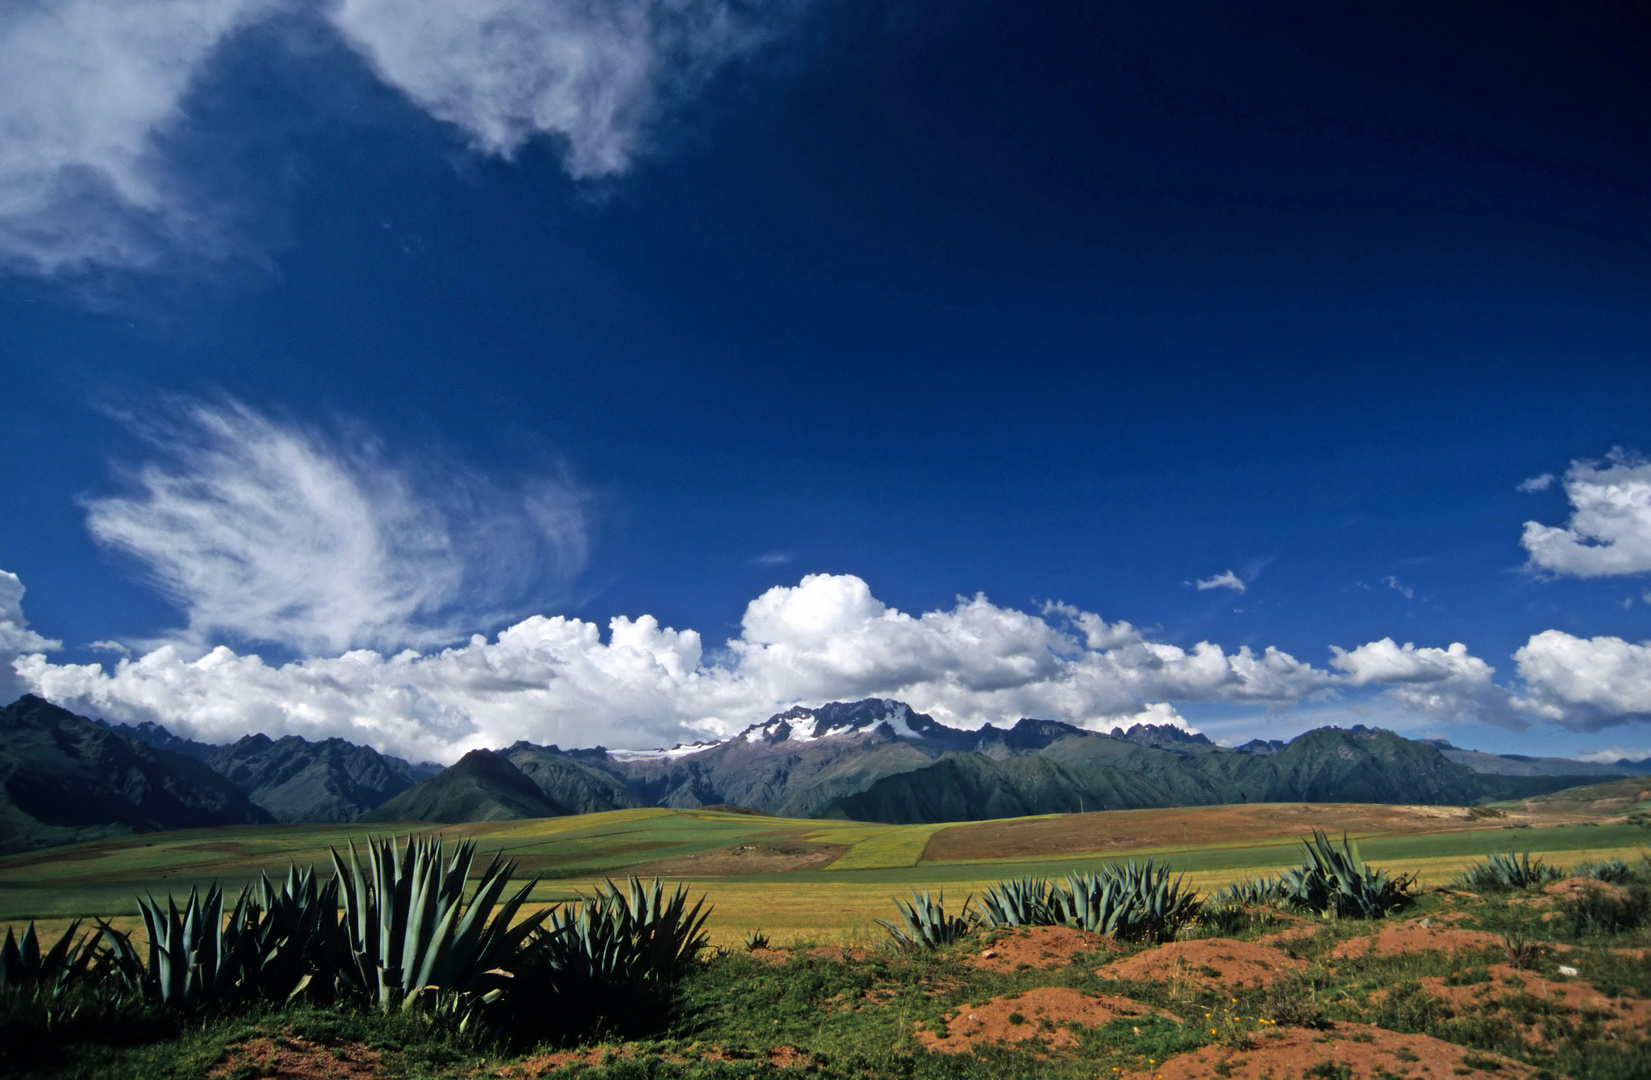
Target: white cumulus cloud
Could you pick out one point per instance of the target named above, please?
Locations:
(1610, 528)
(1224, 580)
(1449, 683)
(94, 89)
(557, 679)
(269, 532)
(16, 639)
(1585, 683)
(636, 683)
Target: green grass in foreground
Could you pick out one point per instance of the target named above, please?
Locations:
(849, 1017)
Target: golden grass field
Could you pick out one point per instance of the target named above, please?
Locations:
(828, 882)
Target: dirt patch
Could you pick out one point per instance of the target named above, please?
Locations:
(1504, 987)
(769, 956)
(1037, 947)
(1578, 885)
(755, 857)
(1130, 830)
(1045, 1014)
(1347, 1051)
(781, 1057)
(1213, 964)
(287, 1058)
(1413, 936)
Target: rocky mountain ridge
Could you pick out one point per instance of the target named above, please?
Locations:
(874, 759)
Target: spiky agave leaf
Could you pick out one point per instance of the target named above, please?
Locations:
(925, 924)
(1506, 873)
(23, 966)
(1129, 901)
(1333, 881)
(408, 932)
(1019, 902)
(1260, 890)
(623, 936)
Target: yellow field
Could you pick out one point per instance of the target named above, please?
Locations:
(828, 882)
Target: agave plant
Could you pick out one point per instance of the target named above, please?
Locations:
(625, 937)
(408, 932)
(1130, 902)
(1019, 902)
(42, 991)
(1506, 873)
(1333, 880)
(291, 935)
(755, 940)
(24, 967)
(194, 956)
(1261, 890)
(1614, 871)
(924, 923)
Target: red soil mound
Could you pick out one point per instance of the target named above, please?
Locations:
(1044, 1014)
(289, 1058)
(1501, 993)
(1037, 947)
(1578, 885)
(1349, 1051)
(1218, 963)
(1412, 936)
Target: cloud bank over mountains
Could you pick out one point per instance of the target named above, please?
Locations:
(95, 88)
(366, 569)
(558, 679)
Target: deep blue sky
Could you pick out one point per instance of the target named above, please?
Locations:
(1042, 300)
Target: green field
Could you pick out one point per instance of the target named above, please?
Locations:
(832, 902)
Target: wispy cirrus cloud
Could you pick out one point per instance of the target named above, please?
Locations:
(268, 531)
(95, 88)
(1224, 580)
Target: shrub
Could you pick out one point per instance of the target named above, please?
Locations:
(1596, 911)
(1335, 881)
(1506, 873)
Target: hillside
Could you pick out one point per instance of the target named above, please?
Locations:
(65, 779)
(296, 780)
(480, 786)
(870, 760)
(1099, 772)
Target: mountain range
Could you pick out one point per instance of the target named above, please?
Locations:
(65, 778)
